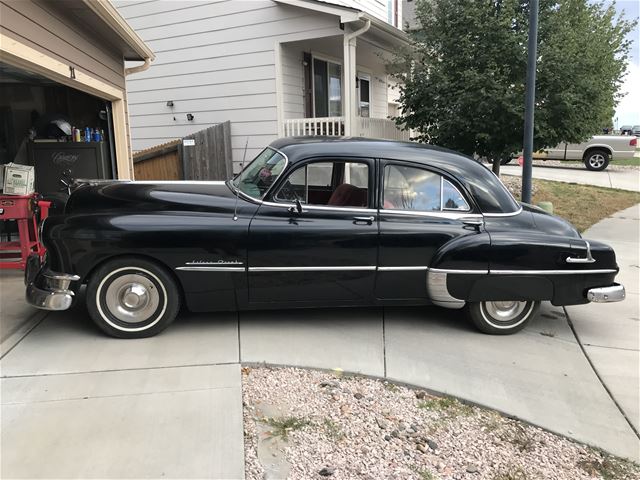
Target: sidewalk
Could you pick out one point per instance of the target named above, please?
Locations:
(615, 351)
(623, 180)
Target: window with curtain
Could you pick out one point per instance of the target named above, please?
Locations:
(327, 88)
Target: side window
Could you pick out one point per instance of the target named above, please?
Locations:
(409, 188)
(335, 184)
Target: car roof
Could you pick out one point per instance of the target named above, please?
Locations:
(487, 190)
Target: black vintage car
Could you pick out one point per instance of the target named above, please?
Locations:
(317, 222)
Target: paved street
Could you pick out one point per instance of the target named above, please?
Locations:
(78, 404)
(628, 179)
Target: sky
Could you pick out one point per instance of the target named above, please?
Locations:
(628, 110)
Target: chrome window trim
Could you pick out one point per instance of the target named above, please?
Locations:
(313, 269)
(321, 207)
(176, 182)
(452, 215)
(510, 214)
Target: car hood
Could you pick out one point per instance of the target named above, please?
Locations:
(151, 196)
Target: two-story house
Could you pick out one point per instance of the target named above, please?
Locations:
(272, 67)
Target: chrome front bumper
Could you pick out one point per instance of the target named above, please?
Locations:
(613, 293)
(48, 290)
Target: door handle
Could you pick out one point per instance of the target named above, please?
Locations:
(363, 220)
(473, 222)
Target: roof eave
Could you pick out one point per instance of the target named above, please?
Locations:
(349, 15)
(108, 13)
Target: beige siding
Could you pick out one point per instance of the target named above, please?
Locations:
(42, 27)
(215, 60)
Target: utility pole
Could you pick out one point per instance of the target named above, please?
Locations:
(530, 101)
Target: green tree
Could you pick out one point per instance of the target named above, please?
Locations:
(464, 75)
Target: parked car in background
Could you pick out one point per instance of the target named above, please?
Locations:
(595, 153)
(317, 222)
(626, 129)
(636, 130)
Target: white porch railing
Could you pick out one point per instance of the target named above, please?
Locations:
(334, 126)
(381, 128)
(326, 126)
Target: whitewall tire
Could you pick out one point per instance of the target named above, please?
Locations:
(132, 297)
(502, 318)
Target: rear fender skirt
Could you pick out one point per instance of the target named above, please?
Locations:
(500, 287)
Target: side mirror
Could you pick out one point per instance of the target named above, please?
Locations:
(297, 208)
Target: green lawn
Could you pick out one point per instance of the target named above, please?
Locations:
(583, 205)
(627, 161)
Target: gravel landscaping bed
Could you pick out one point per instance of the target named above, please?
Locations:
(579, 165)
(306, 424)
(514, 185)
(576, 165)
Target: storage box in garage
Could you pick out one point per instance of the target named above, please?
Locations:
(18, 179)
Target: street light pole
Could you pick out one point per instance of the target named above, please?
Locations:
(530, 101)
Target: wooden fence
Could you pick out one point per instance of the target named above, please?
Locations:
(210, 157)
(204, 155)
(161, 162)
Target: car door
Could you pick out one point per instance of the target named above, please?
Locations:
(421, 210)
(327, 252)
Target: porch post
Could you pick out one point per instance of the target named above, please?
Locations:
(350, 111)
(349, 86)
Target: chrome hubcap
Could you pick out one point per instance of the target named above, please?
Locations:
(505, 311)
(132, 298)
(597, 160)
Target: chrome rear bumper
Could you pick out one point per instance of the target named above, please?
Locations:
(613, 293)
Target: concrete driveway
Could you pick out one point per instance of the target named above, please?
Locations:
(628, 179)
(78, 404)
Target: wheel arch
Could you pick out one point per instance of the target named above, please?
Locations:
(591, 148)
(149, 258)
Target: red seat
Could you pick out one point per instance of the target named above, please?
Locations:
(347, 195)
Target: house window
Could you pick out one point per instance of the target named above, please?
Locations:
(327, 88)
(364, 88)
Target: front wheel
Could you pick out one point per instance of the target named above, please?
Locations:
(502, 318)
(132, 298)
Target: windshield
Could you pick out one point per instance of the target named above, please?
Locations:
(261, 173)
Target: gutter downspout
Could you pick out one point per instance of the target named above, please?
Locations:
(349, 44)
(138, 68)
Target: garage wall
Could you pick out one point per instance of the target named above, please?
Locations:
(41, 26)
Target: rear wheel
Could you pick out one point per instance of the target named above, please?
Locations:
(596, 159)
(502, 318)
(132, 298)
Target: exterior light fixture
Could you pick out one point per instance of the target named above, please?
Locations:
(170, 103)
(189, 117)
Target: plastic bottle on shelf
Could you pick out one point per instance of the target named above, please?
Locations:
(87, 134)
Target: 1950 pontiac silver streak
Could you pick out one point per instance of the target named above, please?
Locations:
(317, 222)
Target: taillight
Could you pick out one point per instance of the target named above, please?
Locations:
(633, 142)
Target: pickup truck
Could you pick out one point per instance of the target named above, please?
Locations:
(596, 153)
